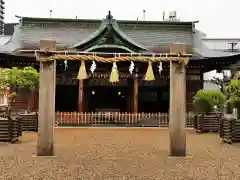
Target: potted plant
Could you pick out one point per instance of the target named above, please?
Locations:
(204, 102)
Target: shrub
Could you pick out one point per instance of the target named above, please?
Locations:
(26, 77)
(205, 100)
(233, 91)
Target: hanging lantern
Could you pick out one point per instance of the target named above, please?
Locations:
(93, 67)
(82, 73)
(114, 77)
(160, 68)
(149, 76)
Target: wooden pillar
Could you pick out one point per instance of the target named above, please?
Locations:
(135, 96)
(46, 108)
(177, 111)
(31, 100)
(46, 116)
(80, 96)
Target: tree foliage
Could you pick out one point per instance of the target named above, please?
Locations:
(205, 100)
(233, 91)
(27, 77)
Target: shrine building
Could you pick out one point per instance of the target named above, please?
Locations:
(111, 36)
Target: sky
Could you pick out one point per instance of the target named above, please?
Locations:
(217, 18)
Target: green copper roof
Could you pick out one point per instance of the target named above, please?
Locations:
(93, 48)
(109, 33)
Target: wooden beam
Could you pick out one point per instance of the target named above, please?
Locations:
(48, 51)
(46, 115)
(135, 96)
(81, 96)
(177, 112)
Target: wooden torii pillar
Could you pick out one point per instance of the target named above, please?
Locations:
(46, 117)
(177, 110)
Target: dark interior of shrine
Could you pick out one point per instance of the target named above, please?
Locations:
(113, 98)
(103, 96)
(108, 98)
(66, 99)
(153, 99)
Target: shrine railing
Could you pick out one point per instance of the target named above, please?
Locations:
(117, 118)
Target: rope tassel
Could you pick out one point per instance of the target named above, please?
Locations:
(160, 68)
(131, 67)
(114, 77)
(93, 67)
(149, 76)
(82, 73)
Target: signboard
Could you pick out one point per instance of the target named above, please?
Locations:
(105, 82)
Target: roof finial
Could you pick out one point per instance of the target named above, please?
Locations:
(109, 16)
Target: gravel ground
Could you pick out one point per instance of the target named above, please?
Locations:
(120, 154)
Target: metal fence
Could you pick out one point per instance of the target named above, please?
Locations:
(117, 119)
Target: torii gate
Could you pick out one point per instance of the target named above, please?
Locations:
(178, 60)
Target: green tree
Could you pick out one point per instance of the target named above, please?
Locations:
(233, 91)
(205, 100)
(27, 77)
(15, 78)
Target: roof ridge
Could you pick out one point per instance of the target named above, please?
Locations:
(24, 18)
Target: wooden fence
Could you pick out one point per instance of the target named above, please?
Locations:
(116, 118)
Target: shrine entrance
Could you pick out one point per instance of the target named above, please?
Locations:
(153, 99)
(66, 98)
(107, 98)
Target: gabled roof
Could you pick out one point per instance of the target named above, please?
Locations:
(155, 36)
(109, 35)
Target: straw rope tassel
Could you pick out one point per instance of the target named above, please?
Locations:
(114, 77)
(82, 73)
(149, 76)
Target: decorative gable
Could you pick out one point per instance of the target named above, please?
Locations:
(109, 35)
